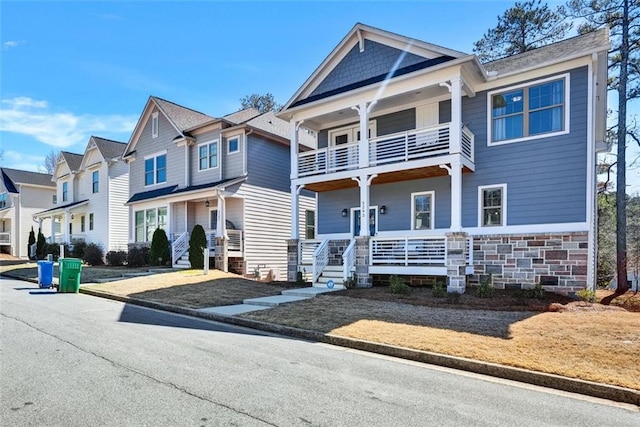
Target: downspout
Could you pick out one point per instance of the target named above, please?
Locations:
(245, 157)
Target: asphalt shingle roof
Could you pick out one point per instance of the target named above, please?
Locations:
(270, 123)
(62, 207)
(541, 55)
(73, 160)
(12, 177)
(184, 118)
(173, 190)
(108, 148)
(242, 115)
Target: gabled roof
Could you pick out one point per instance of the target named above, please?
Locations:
(560, 51)
(242, 115)
(13, 177)
(358, 36)
(181, 118)
(73, 160)
(109, 149)
(173, 190)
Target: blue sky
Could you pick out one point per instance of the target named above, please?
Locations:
(74, 69)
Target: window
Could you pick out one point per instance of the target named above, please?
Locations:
(56, 226)
(82, 224)
(95, 180)
(146, 222)
(208, 155)
(234, 144)
(65, 191)
(3, 200)
(154, 125)
(537, 110)
(213, 219)
(90, 221)
(309, 224)
(422, 212)
(155, 170)
(492, 203)
(348, 134)
(54, 199)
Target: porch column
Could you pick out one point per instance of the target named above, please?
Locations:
(67, 221)
(456, 247)
(186, 216)
(293, 145)
(221, 225)
(363, 145)
(364, 181)
(455, 172)
(295, 206)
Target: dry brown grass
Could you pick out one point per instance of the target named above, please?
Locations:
(630, 301)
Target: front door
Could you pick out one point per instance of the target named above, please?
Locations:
(373, 221)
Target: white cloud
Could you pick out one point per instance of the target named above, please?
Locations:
(58, 129)
(28, 162)
(11, 43)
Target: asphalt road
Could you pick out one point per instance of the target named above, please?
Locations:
(77, 360)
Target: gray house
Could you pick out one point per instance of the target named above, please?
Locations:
(430, 163)
(230, 175)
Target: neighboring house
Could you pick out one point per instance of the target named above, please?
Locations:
(230, 175)
(22, 194)
(459, 169)
(92, 189)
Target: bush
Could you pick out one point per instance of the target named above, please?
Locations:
(78, 249)
(197, 243)
(51, 248)
(351, 282)
(93, 254)
(32, 240)
(438, 291)
(398, 286)
(41, 242)
(485, 290)
(537, 292)
(138, 257)
(160, 252)
(586, 295)
(116, 258)
(453, 297)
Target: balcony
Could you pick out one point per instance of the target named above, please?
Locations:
(399, 147)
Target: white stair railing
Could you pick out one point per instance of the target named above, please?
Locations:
(320, 259)
(306, 249)
(349, 260)
(179, 247)
(32, 251)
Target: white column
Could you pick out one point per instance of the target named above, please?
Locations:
(293, 129)
(67, 220)
(456, 194)
(364, 181)
(295, 206)
(455, 132)
(363, 145)
(221, 226)
(186, 216)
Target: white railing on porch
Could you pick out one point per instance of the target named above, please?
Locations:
(235, 240)
(349, 260)
(69, 238)
(408, 251)
(5, 238)
(394, 148)
(179, 247)
(320, 259)
(306, 249)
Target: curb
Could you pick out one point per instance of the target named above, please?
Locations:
(589, 388)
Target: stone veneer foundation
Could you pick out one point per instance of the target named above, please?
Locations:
(557, 261)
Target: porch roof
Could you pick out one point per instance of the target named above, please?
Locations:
(60, 209)
(175, 191)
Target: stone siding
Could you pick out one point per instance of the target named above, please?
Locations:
(557, 261)
(336, 249)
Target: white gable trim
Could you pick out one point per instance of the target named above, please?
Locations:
(144, 117)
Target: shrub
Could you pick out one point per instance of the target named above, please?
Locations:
(116, 258)
(586, 295)
(40, 246)
(351, 282)
(160, 252)
(398, 286)
(438, 291)
(32, 240)
(78, 249)
(51, 248)
(485, 290)
(138, 257)
(93, 254)
(537, 292)
(453, 297)
(197, 243)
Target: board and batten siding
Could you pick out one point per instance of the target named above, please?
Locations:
(118, 186)
(147, 146)
(198, 176)
(545, 177)
(267, 227)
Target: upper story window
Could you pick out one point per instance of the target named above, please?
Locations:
(65, 191)
(233, 144)
(155, 170)
(154, 125)
(422, 210)
(3, 200)
(492, 204)
(95, 181)
(208, 155)
(537, 110)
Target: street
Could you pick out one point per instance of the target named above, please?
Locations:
(77, 360)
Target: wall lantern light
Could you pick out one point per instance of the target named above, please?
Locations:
(383, 210)
(345, 212)
(206, 204)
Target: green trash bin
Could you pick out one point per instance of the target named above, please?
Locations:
(69, 280)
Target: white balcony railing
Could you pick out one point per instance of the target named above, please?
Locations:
(408, 251)
(5, 238)
(394, 148)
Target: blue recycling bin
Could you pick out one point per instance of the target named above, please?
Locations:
(45, 274)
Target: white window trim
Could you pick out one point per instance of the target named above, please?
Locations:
(352, 132)
(481, 189)
(144, 225)
(208, 143)
(433, 209)
(155, 125)
(352, 210)
(92, 182)
(239, 138)
(215, 226)
(567, 108)
(62, 195)
(144, 171)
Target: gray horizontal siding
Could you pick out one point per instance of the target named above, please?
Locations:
(208, 175)
(268, 164)
(233, 164)
(444, 111)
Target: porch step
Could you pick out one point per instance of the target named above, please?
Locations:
(275, 300)
(183, 262)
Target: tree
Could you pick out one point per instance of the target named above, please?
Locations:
(50, 162)
(197, 243)
(623, 19)
(160, 253)
(525, 26)
(31, 241)
(262, 103)
(41, 244)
